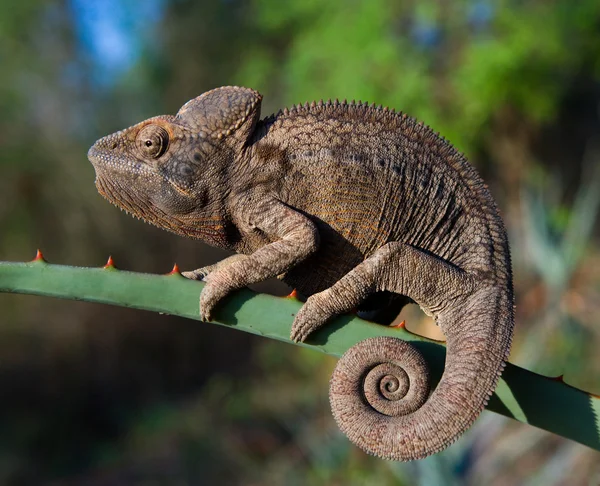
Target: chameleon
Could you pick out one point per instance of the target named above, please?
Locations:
(355, 206)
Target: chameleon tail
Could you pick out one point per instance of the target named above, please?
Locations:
(379, 390)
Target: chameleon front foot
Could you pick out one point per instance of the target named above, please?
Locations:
(219, 283)
(215, 290)
(212, 292)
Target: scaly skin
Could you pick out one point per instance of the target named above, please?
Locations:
(347, 203)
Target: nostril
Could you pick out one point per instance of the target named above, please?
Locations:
(113, 145)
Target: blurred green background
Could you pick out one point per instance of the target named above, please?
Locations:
(94, 395)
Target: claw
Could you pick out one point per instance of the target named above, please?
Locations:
(205, 307)
(297, 336)
(310, 317)
(204, 316)
(198, 274)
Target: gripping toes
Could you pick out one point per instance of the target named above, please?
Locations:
(198, 274)
(214, 291)
(202, 273)
(311, 316)
(345, 295)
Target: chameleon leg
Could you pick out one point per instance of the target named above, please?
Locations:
(394, 267)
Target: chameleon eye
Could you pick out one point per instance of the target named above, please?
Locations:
(152, 141)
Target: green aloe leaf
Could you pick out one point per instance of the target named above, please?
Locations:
(523, 395)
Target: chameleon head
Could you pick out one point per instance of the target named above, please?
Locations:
(169, 169)
(139, 169)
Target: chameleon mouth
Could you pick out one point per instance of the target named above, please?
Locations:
(100, 152)
(93, 155)
(116, 196)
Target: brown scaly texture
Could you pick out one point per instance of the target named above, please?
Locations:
(347, 203)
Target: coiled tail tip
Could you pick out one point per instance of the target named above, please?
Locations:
(375, 386)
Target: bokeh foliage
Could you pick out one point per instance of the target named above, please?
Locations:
(93, 394)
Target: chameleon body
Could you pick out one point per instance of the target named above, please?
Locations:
(349, 204)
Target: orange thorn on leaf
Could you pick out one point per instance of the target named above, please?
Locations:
(110, 263)
(39, 257)
(400, 325)
(175, 270)
(293, 294)
(559, 378)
